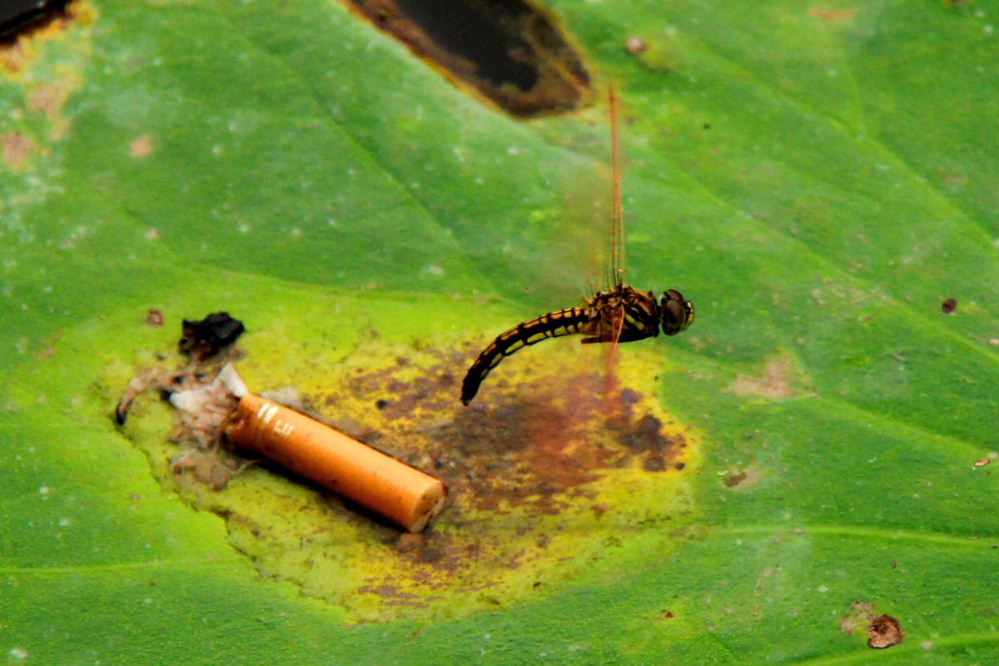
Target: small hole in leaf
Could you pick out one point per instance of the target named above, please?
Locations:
(510, 51)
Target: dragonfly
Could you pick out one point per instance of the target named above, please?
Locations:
(617, 314)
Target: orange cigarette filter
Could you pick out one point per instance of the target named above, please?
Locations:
(390, 487)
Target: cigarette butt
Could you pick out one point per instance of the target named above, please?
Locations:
(401, 493)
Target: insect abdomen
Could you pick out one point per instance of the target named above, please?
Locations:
(551, 325)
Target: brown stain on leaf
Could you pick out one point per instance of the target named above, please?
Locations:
(734, 479)
(859, 615)
(742, 479)
(884, 631)
(16, 149)
(831, 14)
(13, 57)
(141, 147)
(529, 444)
(775, 382)
(49, 99)
(546, 474)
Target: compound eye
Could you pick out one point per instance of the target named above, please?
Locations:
(677, 313)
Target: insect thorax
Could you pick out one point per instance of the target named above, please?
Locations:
(640, 310)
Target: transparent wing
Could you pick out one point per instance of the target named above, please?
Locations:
(617, 264)
(617, 214)
(577, 237)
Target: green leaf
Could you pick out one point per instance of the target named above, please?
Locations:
(818, 179)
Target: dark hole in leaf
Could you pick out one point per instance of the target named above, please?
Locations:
(18, 16)
(509, 50)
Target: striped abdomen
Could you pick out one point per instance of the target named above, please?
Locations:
(570, 321)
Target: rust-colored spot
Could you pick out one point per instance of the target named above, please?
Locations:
(949, 306)
(16, 148)
(47, 98)
(636, 45)
(775, 382)
(141, 147)
(884, 631)
(528, 443)
(861, 613)
(12, 56)
(832, 15)
(511, 51)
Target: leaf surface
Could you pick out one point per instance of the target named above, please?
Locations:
(818, 179)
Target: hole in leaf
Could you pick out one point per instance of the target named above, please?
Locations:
(21, 16)
(510, 51)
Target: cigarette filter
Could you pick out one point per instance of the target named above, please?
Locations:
(390, 487)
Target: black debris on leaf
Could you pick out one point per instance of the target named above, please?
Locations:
(207, 337)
